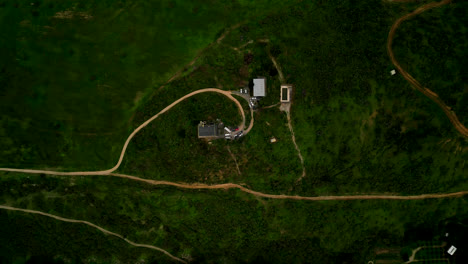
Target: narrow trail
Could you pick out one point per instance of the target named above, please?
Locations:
(271, 106)
(105, 231)
(124, 149)
(288, 114)
(192, 62)
(293, 137)
(235, 160)
(278, 68)
(427, 92)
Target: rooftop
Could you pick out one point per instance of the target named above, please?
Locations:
(259, 87)
(209, 130)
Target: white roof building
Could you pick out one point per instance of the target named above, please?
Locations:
(259, 87)
(452, 250)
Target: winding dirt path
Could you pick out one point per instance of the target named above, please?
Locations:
(227, 186)
(124, 149)
(427, 92)
(105, 231)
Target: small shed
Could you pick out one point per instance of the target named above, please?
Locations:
(452, 250)
(259, 87)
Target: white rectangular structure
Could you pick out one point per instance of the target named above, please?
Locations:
(285, 95)
(259, 87)
(452, 250)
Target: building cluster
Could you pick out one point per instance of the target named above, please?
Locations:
(259, 90)
(216, 129)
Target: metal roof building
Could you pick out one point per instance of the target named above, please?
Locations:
(210, 130)
(259, 87)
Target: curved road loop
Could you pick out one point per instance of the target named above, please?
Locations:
(124, 149)
(107, 232)
(427, 92)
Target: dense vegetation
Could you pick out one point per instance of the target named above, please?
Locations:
(431, 47)
(71, 90)
(209, 226)
(359, 128)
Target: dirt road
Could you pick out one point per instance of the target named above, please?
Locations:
(122, 154)
(105, 231)
(251, 122)
(227, 186)
(430, 94)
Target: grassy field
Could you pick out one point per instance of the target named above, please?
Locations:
(76, 78)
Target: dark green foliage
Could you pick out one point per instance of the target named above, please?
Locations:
(432, 47)
(359, 129)
(210, 226)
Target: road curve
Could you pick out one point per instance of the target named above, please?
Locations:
(427, 92)
(226, 186)
(105, 231)
(251, 122)
(124, 149)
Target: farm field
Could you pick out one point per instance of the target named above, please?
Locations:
(76, 78)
